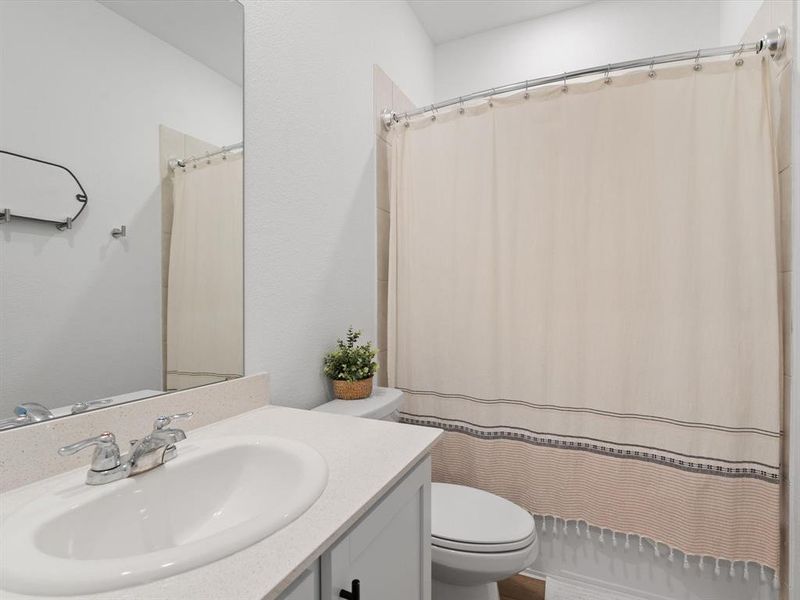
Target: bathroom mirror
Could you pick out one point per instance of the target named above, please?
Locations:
(131, 111)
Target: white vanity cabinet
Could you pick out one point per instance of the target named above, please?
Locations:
(387, 550)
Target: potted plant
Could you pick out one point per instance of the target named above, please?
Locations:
(351, 367)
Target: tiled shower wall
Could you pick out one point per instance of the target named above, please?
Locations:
(386, 95)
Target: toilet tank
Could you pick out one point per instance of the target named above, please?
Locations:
(384, 405)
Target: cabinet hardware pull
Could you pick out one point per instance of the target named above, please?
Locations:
(355, 594)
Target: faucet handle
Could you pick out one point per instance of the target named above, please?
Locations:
(106, 451)
(161, 422)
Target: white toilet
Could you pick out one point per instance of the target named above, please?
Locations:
(477, 538)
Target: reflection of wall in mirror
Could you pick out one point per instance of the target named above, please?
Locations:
(82, 86)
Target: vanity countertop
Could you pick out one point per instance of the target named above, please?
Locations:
(365, 459)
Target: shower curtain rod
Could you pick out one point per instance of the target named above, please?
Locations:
(773, 41)
(174, 163)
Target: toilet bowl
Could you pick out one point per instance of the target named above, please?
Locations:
(477, 538)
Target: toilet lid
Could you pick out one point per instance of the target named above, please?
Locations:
(469, 519)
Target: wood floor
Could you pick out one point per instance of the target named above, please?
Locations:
(520, 587)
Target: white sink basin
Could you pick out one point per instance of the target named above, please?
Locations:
(218, 496)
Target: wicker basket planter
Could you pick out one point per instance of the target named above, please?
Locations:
(352, 390)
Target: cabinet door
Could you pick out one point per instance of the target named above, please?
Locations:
(305, 587)
(388, 550)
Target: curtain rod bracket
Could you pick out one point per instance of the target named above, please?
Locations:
(774, 42)
(388, 118)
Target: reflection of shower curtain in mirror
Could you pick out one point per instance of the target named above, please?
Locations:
(204, 297)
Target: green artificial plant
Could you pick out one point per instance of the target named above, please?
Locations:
(351, 362)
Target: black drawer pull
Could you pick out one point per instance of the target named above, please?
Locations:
(355, 594)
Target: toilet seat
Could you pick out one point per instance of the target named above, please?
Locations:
(483, 548)
(467, 519)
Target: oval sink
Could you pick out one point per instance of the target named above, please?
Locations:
(218, 496)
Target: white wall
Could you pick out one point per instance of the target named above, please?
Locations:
(593, 34)
(735, 17)
(310, 211)
(81, 86)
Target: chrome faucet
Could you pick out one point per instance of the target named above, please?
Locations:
(28, 412)
(151, 451)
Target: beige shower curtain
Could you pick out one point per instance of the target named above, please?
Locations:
(204, 294)
(584, 295)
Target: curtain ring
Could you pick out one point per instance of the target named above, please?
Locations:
(406, 123)
(491, 99)
(652, 72)
(739, 61)
(564, 88)
(607, 80)
(208, 159)
(433, 112)
(460, 106)
(527, 94)
(697, 66)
